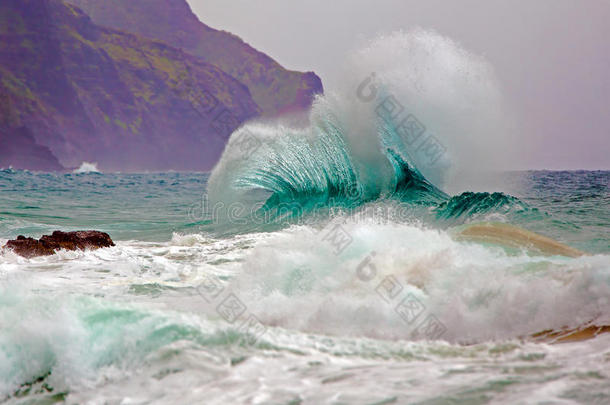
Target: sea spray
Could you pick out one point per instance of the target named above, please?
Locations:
(415, 112)
(87, 167)
(478, 293)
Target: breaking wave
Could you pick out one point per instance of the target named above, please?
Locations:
(395, 130)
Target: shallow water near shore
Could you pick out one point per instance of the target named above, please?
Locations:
(149, 320)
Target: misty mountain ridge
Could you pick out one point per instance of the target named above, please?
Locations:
(88, 90)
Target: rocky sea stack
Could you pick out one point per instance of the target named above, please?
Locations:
(49, 244)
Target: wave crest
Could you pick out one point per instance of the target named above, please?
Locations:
(394, 130)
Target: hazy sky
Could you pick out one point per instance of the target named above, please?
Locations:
(552, 57)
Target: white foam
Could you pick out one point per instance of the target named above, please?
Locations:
(87, 167)
(293, 278)
(478, 293)
(293, 282)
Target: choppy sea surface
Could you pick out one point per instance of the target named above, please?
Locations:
(322, 261)
(179, 312)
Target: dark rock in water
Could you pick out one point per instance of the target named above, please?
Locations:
(49, 244)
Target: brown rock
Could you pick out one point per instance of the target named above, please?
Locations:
(49, 244)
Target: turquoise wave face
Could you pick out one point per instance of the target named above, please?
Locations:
(572, 207)
(407, 119)
(272, 175)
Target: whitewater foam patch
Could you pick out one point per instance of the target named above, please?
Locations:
(395, 279)
(74, 343)
(87, 167)
(384, 283)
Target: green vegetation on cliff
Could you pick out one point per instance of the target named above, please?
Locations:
(98, 94)
(274, 88)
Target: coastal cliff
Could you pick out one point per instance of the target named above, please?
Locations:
(275, 89)
(89, 92)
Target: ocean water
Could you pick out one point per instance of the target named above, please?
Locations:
(139, 323)
(318, 263)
